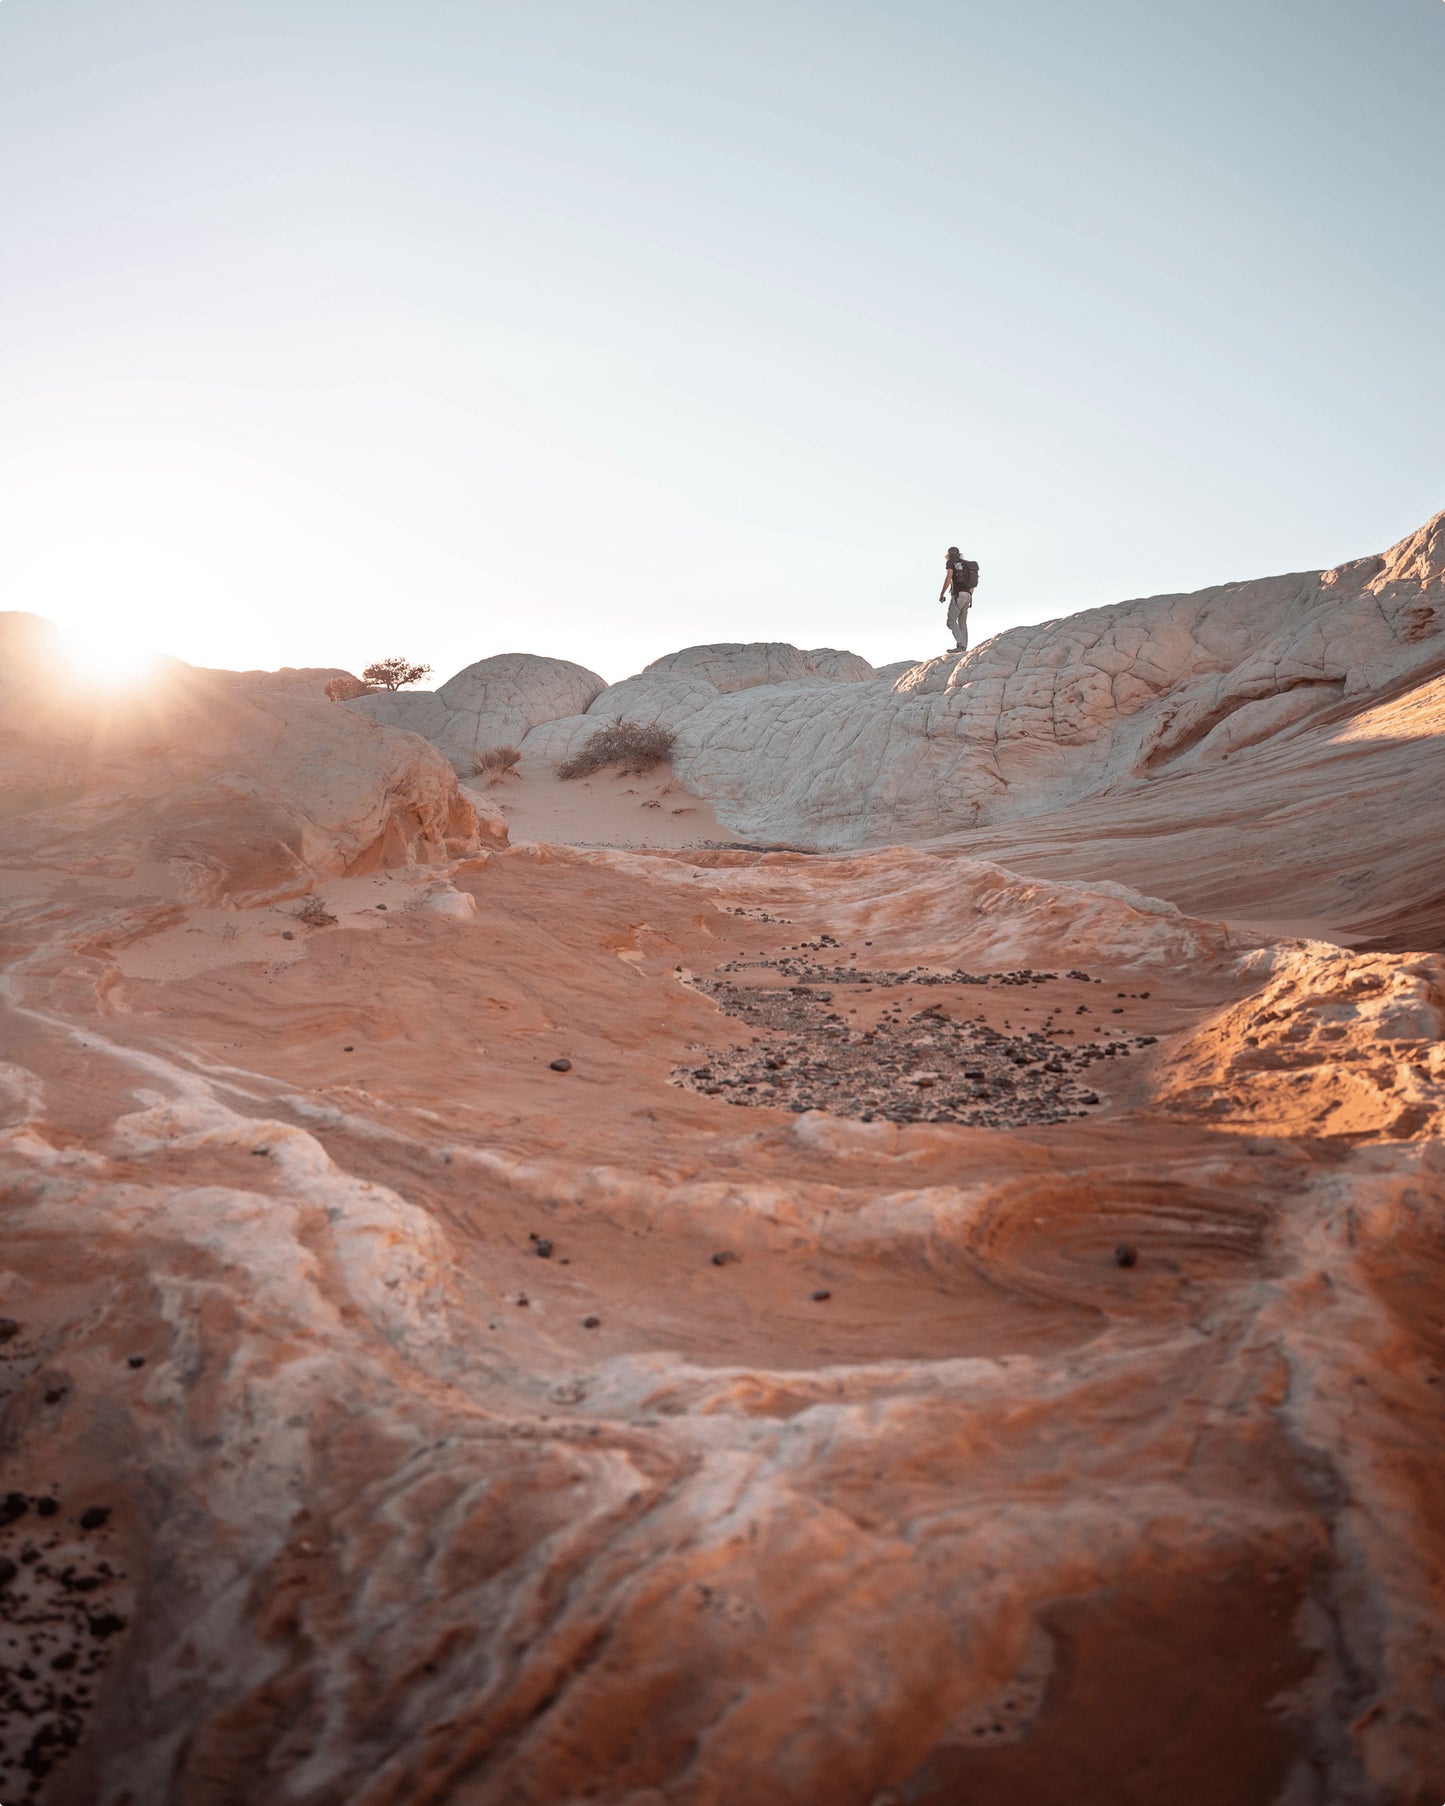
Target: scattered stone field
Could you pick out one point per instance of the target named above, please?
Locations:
(923, 1065)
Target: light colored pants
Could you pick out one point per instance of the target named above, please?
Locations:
(958, 604)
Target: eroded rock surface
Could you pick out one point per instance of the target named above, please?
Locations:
(1037, 718)
(1040, 717)
(441, 1390)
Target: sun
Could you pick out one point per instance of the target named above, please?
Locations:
(108, 657)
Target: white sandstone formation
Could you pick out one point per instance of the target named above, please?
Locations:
(1037, 717)
(494, 702)
(674, 690)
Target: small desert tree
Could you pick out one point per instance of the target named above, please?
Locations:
(392, 673)
(347, 689)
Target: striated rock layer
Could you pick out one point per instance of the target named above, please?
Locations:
(417, 1384)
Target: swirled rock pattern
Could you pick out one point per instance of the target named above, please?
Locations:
(475, 1431)
(420, 1382)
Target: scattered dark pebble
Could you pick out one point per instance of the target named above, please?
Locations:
(9, 1329)
(261, 1153)
(348, 1050)
(95, 1518)
(591, 1323)
(287, 935)
(543, 1248)
(66, 1659)
(821, 1297)
(47, 1508)
(381, 906)
(1125, 1256)
(55, 1394)
(14, 1505)
(135, 1361)
(108, 1624)
(724, 1257)
(912, 1065)
(8, 1570)
(561, 1066)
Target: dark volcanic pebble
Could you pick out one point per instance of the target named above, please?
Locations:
(542, 1248)
(8, 1570)
(821, 1297)
(1125, 1256)
(135, 1360)
(723, 1257)
(9, 1329)
(96, 1518)
(561, 1066)
(287, 935)
(47, 1508)
(591, 1323)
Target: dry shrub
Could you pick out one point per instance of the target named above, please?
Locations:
(622, 743)
(347, 689)
(314, 913)
(494, 762)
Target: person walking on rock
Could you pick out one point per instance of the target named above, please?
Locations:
(960, 580)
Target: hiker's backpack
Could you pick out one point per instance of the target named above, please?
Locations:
(965, 573)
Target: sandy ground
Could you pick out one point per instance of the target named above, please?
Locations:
(609, 809)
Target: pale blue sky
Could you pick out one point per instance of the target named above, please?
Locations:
(450, 328)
